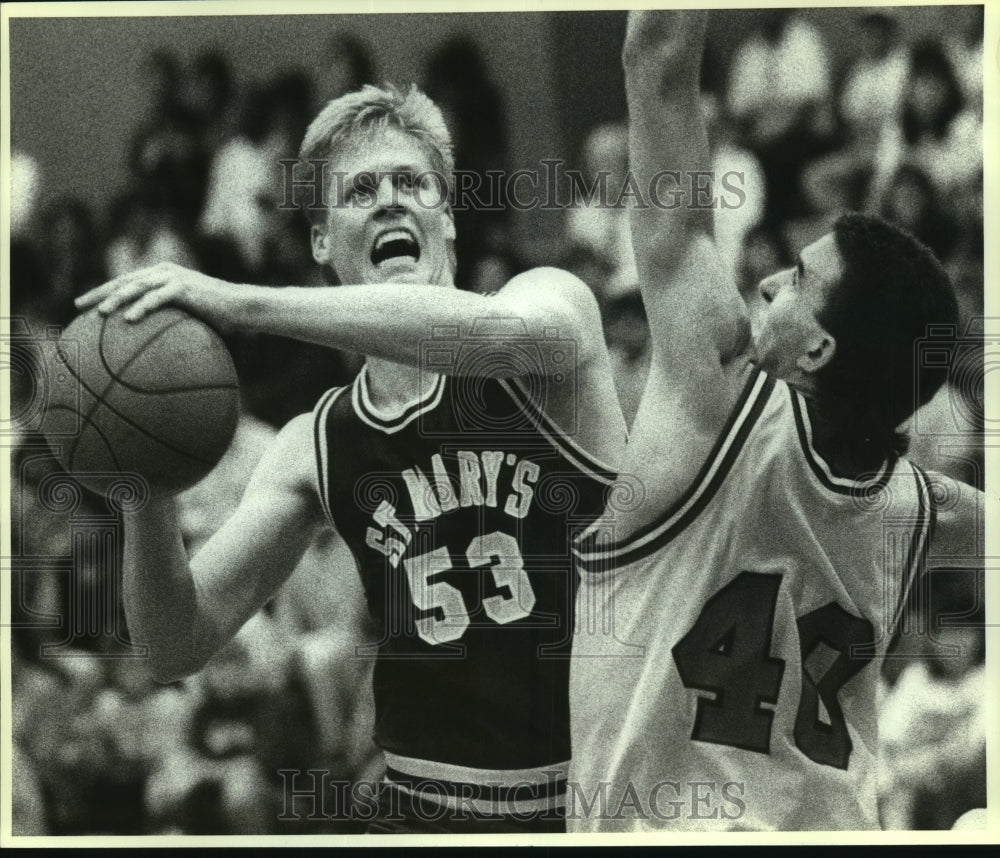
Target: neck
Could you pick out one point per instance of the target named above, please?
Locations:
(845, 457)
(393, 384)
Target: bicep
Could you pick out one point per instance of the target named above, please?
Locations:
(699, 326)
(958, 535)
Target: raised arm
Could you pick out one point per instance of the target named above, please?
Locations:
(185, 612)
(697, 320)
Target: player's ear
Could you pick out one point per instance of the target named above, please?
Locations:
(819, 352)
(320, 239)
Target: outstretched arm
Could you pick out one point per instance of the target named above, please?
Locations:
(697, 320)
(185, 612)
(387, 320)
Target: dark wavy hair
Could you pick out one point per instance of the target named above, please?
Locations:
(892, 289)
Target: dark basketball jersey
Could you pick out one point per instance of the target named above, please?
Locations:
(461, 510)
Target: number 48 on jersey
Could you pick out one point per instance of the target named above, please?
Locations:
(728, 652)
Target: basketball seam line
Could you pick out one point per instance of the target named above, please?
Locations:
(101, 435)
(131, 360)
(132, 423)
(138, 353)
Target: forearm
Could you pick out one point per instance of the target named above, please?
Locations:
(395, 321)
(662, 58)
(159, 590)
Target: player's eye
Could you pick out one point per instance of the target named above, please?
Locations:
(359, 195)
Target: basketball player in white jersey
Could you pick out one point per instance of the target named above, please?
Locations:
(458, 476)
(733, 622)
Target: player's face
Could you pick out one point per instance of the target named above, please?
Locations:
(384, 223)
(788, 338)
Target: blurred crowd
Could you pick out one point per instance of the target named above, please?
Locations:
(99, 748)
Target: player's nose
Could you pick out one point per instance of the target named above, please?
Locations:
(388, 197)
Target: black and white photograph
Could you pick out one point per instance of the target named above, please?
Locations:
(499, 427)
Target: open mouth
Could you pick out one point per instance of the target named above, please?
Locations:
(395, 244)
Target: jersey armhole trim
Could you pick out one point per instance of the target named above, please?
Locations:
(580, 458)
(817, 464)
(742, 419)
(320, 443)
(916, 555)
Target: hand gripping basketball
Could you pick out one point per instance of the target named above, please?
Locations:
(223, 305)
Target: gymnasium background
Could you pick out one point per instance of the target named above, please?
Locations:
(141, 139)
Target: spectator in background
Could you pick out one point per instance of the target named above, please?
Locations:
(345, 65)
(964, 44)
(779, 92)
(868, 103)
(236, 725)
(245, 179)
(934, 131)
(600, 226)
(456, 79)
(743, 170)
(166, 158)
(143, 232)
(932, 726)
(317, 691)
(27, 281)
(873, 85)
(912, 202)
(71, 258)
(164, 78)
(25, 182)
(211, 92)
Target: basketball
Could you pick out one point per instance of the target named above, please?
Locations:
(158, 398)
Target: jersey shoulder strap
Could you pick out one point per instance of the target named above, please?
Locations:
(321, 417)
(595, 556)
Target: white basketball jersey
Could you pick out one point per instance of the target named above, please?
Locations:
(726, 655)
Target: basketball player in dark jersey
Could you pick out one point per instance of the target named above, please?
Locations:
(480, 438)
(747, 603)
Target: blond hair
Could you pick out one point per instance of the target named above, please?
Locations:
(376, 107)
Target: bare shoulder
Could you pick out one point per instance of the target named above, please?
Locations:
(959, 520)
(289, 462)
(674, 433)
(580, 396)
